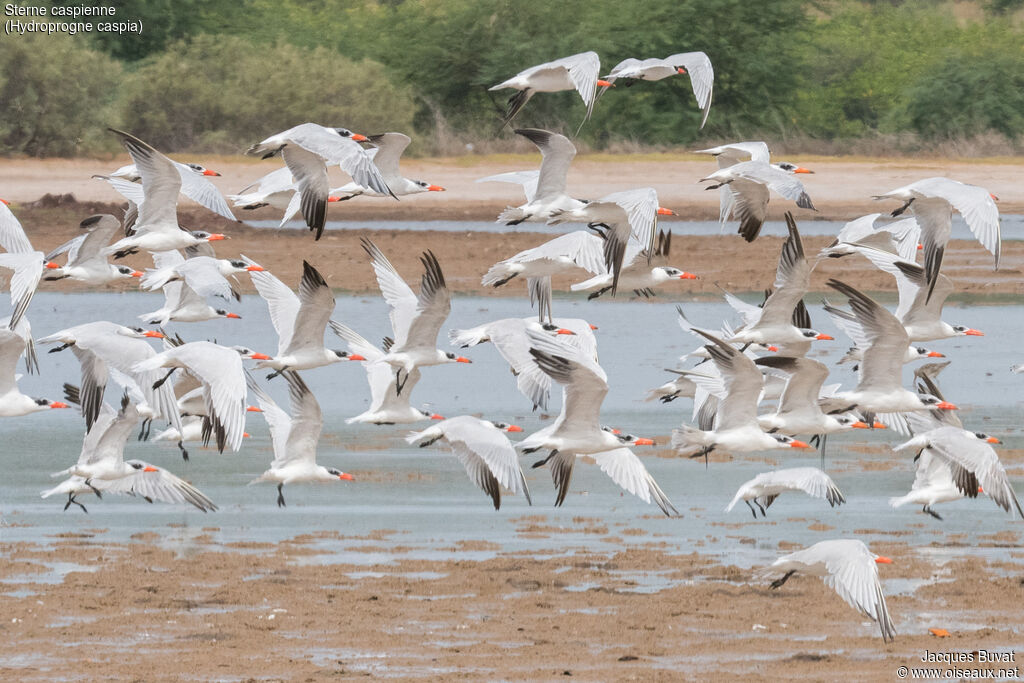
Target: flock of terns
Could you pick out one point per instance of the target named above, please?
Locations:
(737, 369)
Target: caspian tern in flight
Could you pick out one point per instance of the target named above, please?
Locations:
(879, 388)
(798, 411)
(577, 72)
(577, 431)
(300, 322)
(223, 377)
(750, 182)
(933, 484)
(387, 406)
(637, 272)
(766, 487)
(308, 149)
(695, 64)
(549, 194)
(386, 154)
(13, 403)
(772, 323)
(850, 324)
(415, 320)
(972, 460)
(156, 227)
(23, 259)
(562, 255)
(851, 569)
(86, 261)
(728, 155)
(901, 237)
(101, 466)
(195, 185)
(623, 216)
(206, 275)
(932, 201)
(484, 451)
(919, 309)
(101, 346)
(181, 302)
(510, 338)
(294, 437)
(738, 388)
(276, 189)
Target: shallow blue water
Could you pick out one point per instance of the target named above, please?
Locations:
(424, 496)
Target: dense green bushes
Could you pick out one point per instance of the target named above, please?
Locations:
(56, 96)
(818, 72)
(221, 93)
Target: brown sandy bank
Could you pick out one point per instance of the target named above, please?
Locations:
(254, 611)
(724, 260)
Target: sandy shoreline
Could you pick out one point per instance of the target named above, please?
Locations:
(514, 616)
(721, 260)
(841, 188)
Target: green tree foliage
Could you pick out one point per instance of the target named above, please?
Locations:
(217, 74)
(223, 93)
(911, 68)
(949, 101)
(163, 21)
(452, 50)
(55, 96)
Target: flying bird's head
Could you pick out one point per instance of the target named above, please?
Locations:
(339, 474)
(814, 334)
(852, 422)
(791, 168)
(202, 171)
(676, 274)
(981, 436)
(424, 186)
(936, 402)
(548, 327)
(789, 441)
(346, 133)
(963, 330)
